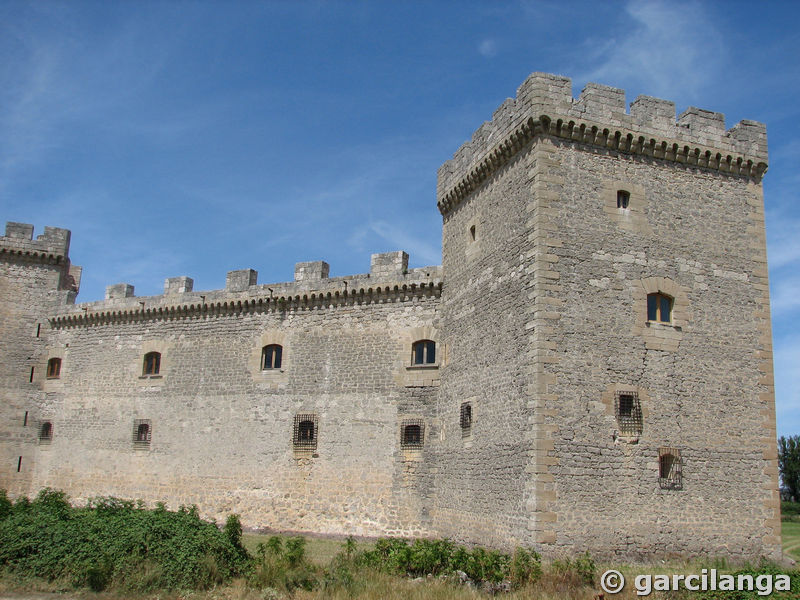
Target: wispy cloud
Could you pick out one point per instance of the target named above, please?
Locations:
(488, 48)
(419, 248)
(670, 46)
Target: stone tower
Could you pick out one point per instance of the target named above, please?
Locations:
(606, 309)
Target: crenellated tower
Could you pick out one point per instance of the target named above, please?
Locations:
(606, 310)
(36, 277)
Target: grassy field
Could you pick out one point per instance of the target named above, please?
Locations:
(791, 538)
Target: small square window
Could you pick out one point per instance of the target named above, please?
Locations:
(412, 433)
(670, 469)
(54, 368)
(659, 308)
(142, 432)
(151, 364)
(46, 432)
(305, 432)
(628, 411)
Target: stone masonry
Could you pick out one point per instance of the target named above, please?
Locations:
(589, 369)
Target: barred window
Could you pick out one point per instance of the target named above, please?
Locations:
(628, 410)
(466, 419)
(142, 431)
(306, 431)
(659, 308)
(423, 352)
(46, 432)
(412, 433)
(54, 368)
(670, 469)
(152, 363)
(271, 357)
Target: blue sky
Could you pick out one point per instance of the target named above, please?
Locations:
(194, 138)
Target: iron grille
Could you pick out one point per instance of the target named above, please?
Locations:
(412, 433)
(628, 410)
(45, 432)
(306, 431)
(466, 419)
(670, 469)
(142, 432)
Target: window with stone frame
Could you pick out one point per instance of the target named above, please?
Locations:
(628, 411)
(151, 365)
(54, 368)
(306, 431)
(623, 198)
(412, 433)
(423, 352)
(271, 357)
(659, 308)
(670, 468)
(142, 433)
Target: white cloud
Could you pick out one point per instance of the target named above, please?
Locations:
(787, 386)
(420, 250)
(671, 46)
(488, 48)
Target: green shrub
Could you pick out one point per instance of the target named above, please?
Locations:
(526, 567)
(5, 505)
(282, 566)
(581, 569)
(116, 543)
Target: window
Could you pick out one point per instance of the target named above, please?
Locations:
(466, 419)
(305, 432)
(423, 352)
(141, 433)
(54, 368)
(46, 432)
(623, 199)
(472, 233)
(412, 433)
(670, 473)
(271, 357)
(659, 308)
(152, 364)
(629, 413)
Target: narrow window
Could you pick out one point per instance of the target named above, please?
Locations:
(629, 413)
(623, 199)
(152, 364)
(142, 432)
(54, 368)
(423, 352)
(46, 432)
(472, 233)
(659, 308)
(412, 433)
(305, 431)
(25, 420)
(670, 472)
(19, 464)
(31, 378)
(271, 357)
(466, 419)
(38, 329)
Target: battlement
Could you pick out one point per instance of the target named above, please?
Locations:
(544, 105)
(52, 245)
(389, 280)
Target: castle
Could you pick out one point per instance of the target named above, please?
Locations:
(590, 367)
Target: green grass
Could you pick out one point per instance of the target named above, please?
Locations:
(791, 538)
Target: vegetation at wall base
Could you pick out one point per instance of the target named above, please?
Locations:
(116, 543)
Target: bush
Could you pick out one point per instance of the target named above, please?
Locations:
(581, 570)
(283, 567)
(119, 543)
(526, 567)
